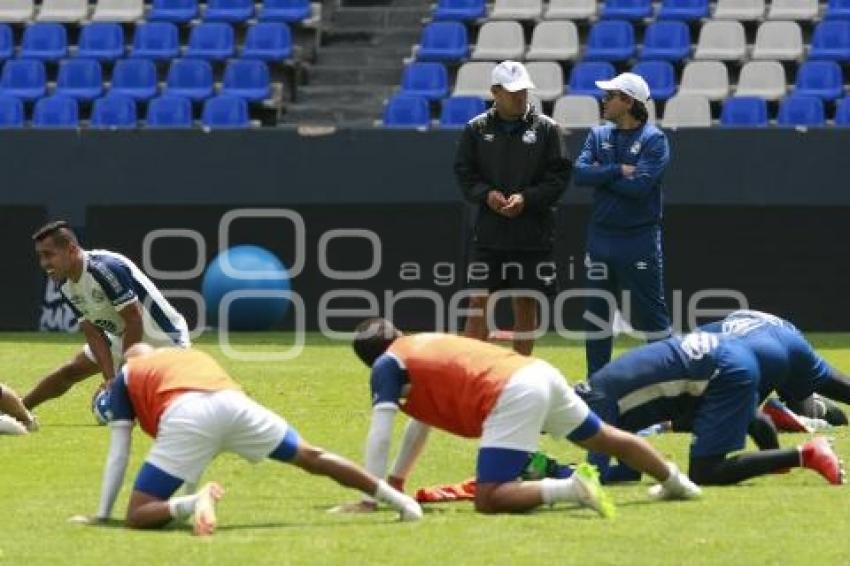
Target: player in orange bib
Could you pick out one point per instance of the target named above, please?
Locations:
(478, 390)
(193, 409)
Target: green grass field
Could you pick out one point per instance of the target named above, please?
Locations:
(274, 514)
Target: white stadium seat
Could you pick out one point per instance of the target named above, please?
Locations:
(473, 79)
(724, 41)
(498, 41)
(576, 111)
(780, 41)
(705, 78)
(687, 111)
(554, 41)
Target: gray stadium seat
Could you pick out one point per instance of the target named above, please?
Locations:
(801, 10)
(516, 10)
(473, 79)
(742, 10)
(571, 9)
(63, 11)
(576, 111)
(765, 79)
(118, 10)
(723, 41)
(779, 41)
(16, 10)
(554, 41)
(650, 110)
(705, 78)
(548, 78)
(687, 111)
(498, 41)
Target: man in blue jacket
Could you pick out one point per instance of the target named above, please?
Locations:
(625, 162)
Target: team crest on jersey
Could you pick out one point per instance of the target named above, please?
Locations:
(635, 149)
(489, 137)
(98, 295)
(529, 137)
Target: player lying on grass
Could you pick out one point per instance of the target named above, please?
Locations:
(478, 390)
(116, 305)
(194, 410)
(712, 384)
(14, 417)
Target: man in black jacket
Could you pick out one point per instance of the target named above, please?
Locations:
(510, 163)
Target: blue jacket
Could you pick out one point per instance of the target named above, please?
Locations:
(623, 204)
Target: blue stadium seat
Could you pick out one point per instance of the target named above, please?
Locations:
(24, 78)
(80, 78)
(192, 78)
(660, 76)
(114, 111)
(403, 111)
(225, 112)
(819, 78)
(135, 78)
(746, 111)
(842, 112)
(443, 41)
(831, 41)
(57, 111)
(838, 9)
(7, 42)
(45, 41)
(211, 40)
(627, 9)
(291, 11)
(583, 78)
(11, 111)
(683, 10)
(801, 111)
(610, 41)
(425, 79)
(458, 110)
(169, 111)
(248, 79)
(460, 10)
(178, 11)
(667, 41)
(156, 40)
(103, 41)
(269, 41)
(229, 10)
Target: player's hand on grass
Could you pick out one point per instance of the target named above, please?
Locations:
(357, 507)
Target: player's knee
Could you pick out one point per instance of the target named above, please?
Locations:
(485, 502)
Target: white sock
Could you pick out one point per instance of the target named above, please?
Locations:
(386, 493)
(553, 490)
(183, 506)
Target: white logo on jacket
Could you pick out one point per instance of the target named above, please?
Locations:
(529, 137)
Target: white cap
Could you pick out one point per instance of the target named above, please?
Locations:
(628, 83)
(511, 76)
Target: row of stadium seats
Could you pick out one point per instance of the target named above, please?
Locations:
(163, 10)
(465, 10)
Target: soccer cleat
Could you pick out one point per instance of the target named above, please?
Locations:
(817, 454)
(590, 492)
(410, 510)
(204, 519)
(677, 486)
(783, 417)
(10, 425)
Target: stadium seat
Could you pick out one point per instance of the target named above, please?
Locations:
(764, 79)
(192, 78)
(118, 11)
(16, 11)
(516, 10)
(548, 79)
(45, 41)
(800, 10)
(225, 112)
(114, 111)
(584, 75)
(460, 10)
(705, 78)
(403, 111)
(7, 42)
(248, 79)
(135, 78)
(24, 78)
(498, 41)
(429, 80)
(741, 10)
(831, 41)
(212, 41)
(63, 11)
(660, 76)
(842, 112)
(687, 111)
(177, 11)
(169, 111)
(723, 41)
(837, 9)
(290, 11)
(56, 111)
(269, 41)
(801, 111)
(11, 111)
(610, 41)
(747, 111)
(443, 41)
(229, 10)
(156, 40)
(474, 79)
(667, 41)
(819, 78)
(535, 102)
(571, 9)
(686, 10)
(650, 111)
(456, 111)
(102, 41)
(576, 111)
(627, 9)
(81, 79)
(554, 41)
(779, 41)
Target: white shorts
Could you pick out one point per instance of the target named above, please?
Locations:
(116, 346)
(199, 425)
(536, 399)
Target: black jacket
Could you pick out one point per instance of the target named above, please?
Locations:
(530, 161)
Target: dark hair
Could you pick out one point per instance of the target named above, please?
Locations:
(59, 230)
(372, 337)
(638, 111)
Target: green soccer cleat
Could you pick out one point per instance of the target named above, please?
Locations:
(591, 493)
